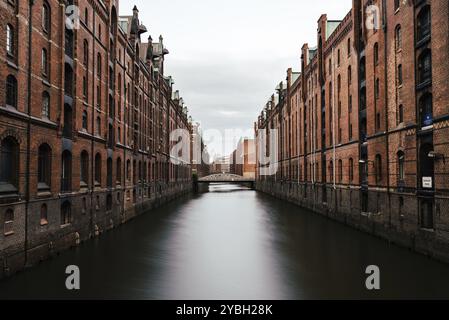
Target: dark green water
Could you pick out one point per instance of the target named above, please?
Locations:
(233, 243)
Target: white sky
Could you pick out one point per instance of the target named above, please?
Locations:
(227, 57)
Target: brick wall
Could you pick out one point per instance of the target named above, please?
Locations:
(121, 112)
(352, 130)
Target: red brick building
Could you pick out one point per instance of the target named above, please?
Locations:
(85, 117)
(243, 159)
(363, 127)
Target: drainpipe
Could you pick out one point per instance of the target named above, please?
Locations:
(92, 147)
(384, 11)
(333, 122)
(28, 154)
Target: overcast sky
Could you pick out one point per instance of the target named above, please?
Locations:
(227, 57)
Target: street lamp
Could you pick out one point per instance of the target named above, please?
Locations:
(436, 156)
(366, 161)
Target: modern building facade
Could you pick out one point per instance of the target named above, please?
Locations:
(363, 127)
(85, 117)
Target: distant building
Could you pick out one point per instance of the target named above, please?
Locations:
(243, 159)
(220, 165)
(200, 162)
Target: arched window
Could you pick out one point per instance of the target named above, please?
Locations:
(66, 171)
(98, 96)
(44, 167)
(9, 165)
(377, 89)
(378, 164)
(10, 40)
(401, 166)
(45, 17)
(349, 47)
(8, 227)
(44, 215)
(119, 85)
(98, 169)
(376, 54)
(401, 114)
(84, 120)
(99, 69)
(45, 105)
(426, 110)
(424, 28)
(86, 16)
(338, 85)
(340, 170)
(349, 75)
(98, 129)
(85, 88)
(140, 171)
(109, 172)
(118, 169)
(66, 213)
(84, 168)
(398, 38)
(86, 54)
(425, 66)
(128, 170)
(44, 62)
(11, 91)
(400, 76)
(351, 170)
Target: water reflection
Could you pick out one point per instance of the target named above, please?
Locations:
(233, 243)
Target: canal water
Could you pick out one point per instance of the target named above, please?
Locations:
(233, 243)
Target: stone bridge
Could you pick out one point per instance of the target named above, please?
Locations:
(225, 178)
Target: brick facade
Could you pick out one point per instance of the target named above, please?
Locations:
(85, 118)
(363, 127)
(243, 159)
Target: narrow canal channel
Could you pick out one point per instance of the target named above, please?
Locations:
(233, 243)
